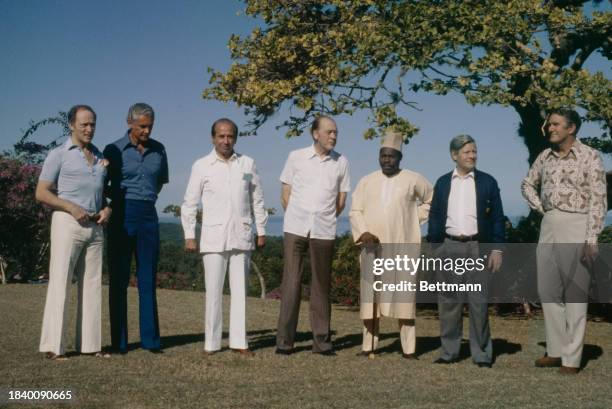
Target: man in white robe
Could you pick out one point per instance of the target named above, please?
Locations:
(388, 207)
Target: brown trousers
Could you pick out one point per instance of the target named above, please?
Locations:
(321, 253)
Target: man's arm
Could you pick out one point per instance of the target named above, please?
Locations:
(435, 214)
(164, 174)
(189, 209)
(499, 228)
(424, 194)
(285, 193)
(344, 188)
(359, 227)
(340, 203)
(497, 215)
(531, 184)
(597, 200)
(258, 206)
(45, 193)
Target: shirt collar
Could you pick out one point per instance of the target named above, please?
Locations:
(457, 175)
(576, 149)
(68, 145)
(125, 142)
(313, 153)
(213, 157)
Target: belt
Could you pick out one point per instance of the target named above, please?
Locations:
(93, 217)
(462, 238)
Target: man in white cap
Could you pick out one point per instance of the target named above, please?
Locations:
(388, 207)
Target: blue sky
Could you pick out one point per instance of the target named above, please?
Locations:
(111, 54)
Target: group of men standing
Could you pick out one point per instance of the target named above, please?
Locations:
(464, 210)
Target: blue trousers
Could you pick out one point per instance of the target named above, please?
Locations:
(134, 230)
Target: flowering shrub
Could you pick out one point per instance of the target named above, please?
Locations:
(24, 223)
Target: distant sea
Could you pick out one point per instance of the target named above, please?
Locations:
(275, 224)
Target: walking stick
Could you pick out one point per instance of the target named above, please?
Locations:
(371, 355)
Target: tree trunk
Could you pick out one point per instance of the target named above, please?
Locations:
(2, 270)
(530, 130)
(262, 282)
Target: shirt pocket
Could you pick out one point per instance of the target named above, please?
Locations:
(329, 178)
(152, 166)
(246, 228)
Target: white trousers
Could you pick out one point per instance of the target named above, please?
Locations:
(215, 265)
(77, 250)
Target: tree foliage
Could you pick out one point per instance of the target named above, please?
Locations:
(30, 151)
(341, 56)
(24, 223)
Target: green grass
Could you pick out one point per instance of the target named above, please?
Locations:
(184, 377)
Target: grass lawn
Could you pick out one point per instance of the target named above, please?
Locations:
(184, 377)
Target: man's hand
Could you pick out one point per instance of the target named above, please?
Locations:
(495, 261)
(589, 254)
(104, 216)
(261, 241)
(79, 214)
(367, 240)
(191, 246)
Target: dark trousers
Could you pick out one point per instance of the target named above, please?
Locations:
(450, 307)
(321, 253)
(134, 229)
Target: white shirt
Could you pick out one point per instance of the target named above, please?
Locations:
(461, 219)
(315, 183)
(230, 193)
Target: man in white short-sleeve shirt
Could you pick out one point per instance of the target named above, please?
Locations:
(72, 184)
(315, 182)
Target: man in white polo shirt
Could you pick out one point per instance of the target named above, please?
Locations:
(315, 182)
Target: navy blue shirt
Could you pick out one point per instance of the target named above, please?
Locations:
(133, 175)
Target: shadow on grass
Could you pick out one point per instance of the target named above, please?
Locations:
(590, 352)
(267, 339)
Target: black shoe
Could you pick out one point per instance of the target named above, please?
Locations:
(411, 357)
(329, 352)
(484, 364)
(444, 361)
(283, 351)
(156, 351)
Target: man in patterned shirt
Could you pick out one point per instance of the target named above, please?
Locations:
(572, 198)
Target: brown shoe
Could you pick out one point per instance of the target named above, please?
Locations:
(243, 352)
(54, 357)
(209, 353)
(568, 370)
(411, 357)
(548, 362)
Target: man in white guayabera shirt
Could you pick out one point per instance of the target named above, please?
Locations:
(72, 183)
(227, 185)
(315, 182)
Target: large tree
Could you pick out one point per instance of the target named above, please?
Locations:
(341, 56)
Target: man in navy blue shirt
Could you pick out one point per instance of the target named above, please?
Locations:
(466, 217)
(137, 171)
